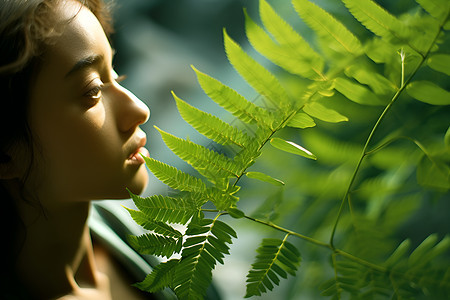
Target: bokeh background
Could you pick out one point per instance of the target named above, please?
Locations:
(157, 41)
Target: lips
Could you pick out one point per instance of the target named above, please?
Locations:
(135, 157)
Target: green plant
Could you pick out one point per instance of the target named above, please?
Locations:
(377, 193)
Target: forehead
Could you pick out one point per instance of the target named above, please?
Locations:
(82, 35)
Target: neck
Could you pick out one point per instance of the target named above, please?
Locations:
(57, 255)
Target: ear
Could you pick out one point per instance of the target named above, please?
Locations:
(8, 169)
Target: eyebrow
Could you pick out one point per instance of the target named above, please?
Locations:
(86, 62)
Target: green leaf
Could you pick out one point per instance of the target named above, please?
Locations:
(264, 177)
(380, 51)
(155, 226)
(233, 102)
(422, 249)
(428, 92)
(437, 8)
(447, 138)
(173, 177)
(290, 51)
(160, 277)
(440, 63)
(301, 120)
(275, 258)
(221, 229)
(153, 244)
(165, 209)
(377, 19)
(326, 26)
(434, 172)
(291, 147)
(356, 92)
(209, 163)
(199, 256)
(211, 126)
(377, 82)
(264, 82)
(235, 213)
(319, 111)
(221, 198)
(399, 253)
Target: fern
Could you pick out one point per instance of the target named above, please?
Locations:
(276, 259)
(204, 247)
(165, 209)
(174, 178)
(256, 75)
(155, 244)
(338, 77)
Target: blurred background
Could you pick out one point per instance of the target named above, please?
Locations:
(157, 41)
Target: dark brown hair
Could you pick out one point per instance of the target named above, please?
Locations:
(26, 30)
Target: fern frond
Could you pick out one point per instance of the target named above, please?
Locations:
(205, 245)
(326, 26)
(165, 209)
(155, 226)
(160, 278)
(173, 177)
(419, 270)
(436, 8)
(233, 102)
(207, 162)
(276, 258)
(222, 198)
(211, 126)
(377, 19)
(264, 82)
(429, 249)
(290, 51)
(154, 244)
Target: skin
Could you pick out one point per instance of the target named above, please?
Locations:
(87, 128)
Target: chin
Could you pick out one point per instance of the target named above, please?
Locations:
(138, 183)
(135, 183)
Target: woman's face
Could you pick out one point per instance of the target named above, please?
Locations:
(86, 124)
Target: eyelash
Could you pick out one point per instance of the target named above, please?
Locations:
(95, 93)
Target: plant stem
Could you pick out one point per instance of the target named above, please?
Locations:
(383, 114)
(321, 244)
(290, 232)
(361, 261)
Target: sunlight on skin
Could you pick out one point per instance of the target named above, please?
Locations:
(88, 137)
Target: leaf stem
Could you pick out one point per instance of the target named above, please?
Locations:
(321, 244)
(369, 139)
(383, 114)
(290, 232)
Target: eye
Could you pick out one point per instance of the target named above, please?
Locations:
(95, 93)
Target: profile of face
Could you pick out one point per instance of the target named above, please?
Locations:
(85, 123)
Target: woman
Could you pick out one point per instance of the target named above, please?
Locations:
(69, 134)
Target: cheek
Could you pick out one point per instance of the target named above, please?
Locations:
(81, 148)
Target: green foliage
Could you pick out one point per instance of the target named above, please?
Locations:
(276, 258)
(334, 94)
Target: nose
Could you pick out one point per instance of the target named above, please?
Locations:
(131, 111)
